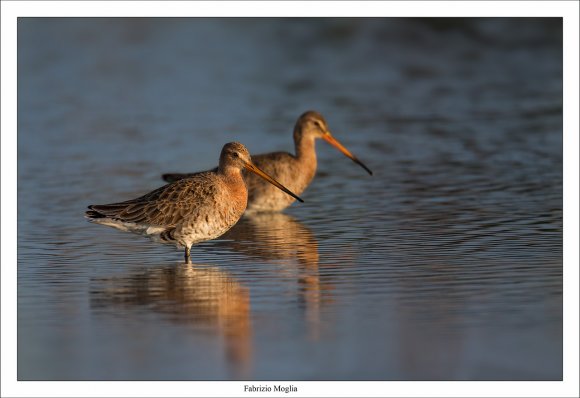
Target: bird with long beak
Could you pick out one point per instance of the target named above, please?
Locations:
(294, 171)
(201, 207)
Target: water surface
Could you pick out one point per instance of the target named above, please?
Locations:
(445, 265)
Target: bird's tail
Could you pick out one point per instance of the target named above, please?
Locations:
(172, 177)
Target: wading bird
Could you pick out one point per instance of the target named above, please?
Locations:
(200, 207)
(294, 171)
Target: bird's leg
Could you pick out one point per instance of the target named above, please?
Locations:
(187, 258)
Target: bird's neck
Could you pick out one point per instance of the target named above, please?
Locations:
(230, 173)
(236, 188)
(305, 159)
(305, 149)
(234, 179)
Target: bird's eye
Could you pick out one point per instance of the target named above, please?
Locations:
(236, 155)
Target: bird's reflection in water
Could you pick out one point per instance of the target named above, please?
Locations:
(200, 295)
(273, 236)
(280, 238)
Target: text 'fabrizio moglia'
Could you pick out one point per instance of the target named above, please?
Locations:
(275, 388)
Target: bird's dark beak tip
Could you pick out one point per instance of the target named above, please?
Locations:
(363, 166)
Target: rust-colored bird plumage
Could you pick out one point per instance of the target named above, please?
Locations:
(200, 207)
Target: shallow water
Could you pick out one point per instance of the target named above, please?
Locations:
(445, 265)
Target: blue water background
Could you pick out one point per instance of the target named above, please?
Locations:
(446, 264)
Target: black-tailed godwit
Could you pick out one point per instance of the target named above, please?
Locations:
(200, 207)
(294, 171)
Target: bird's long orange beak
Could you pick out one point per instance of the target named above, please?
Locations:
(254, 169)
(335, 143)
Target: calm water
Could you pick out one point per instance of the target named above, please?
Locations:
(445, 265)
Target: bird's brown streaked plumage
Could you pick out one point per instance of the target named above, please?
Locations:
(294, 171)
(191, 210)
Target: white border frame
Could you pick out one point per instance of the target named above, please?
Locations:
(11, 10)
